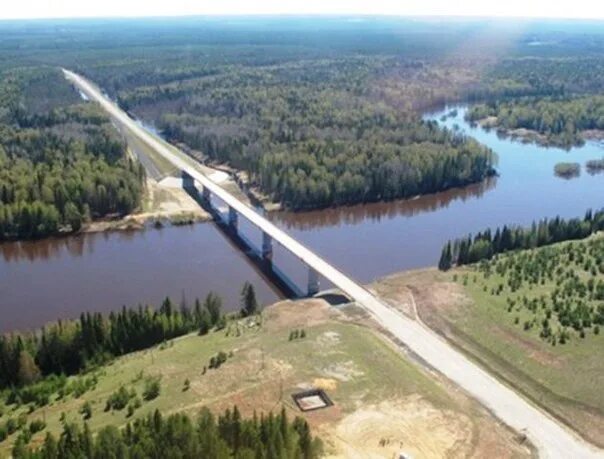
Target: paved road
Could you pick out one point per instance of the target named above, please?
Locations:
(551, 438)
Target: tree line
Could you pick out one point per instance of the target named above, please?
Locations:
(484, 245)
(69, 347)
(61, 161)
(179, 436)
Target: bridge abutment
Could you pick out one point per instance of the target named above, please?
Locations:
(313, 282)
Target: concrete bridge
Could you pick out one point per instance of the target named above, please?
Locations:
(191, 177)
(191, 184)
(552, 439)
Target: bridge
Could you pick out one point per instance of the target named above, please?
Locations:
(552, 439)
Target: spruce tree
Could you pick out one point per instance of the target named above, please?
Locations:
(249, 304)
(446, 258)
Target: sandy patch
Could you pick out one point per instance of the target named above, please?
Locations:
(329, 339)
(413, 427)
(169, 196)
(488, 122)
(219, 176)
(171, 182)
(325, 384)
(593, 134)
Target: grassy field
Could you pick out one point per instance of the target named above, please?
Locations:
(487, 315)
(383, 403)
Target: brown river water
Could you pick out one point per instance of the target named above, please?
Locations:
(59, 278)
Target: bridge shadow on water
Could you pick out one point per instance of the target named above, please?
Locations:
(275, 277)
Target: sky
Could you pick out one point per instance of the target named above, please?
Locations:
(25, 9)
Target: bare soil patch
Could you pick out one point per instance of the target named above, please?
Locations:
(161, 202)
(425, 290)
(298, 314)
(415, 428)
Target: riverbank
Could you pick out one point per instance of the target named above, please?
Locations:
(564, 379)
(163, 204)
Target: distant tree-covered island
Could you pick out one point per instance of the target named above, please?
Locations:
(567, 170)
(595, 166)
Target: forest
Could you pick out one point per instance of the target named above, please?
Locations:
(179, 436)
(313, 135)
(486, 244)
(561, 120)
(313, 122)
(61, 162)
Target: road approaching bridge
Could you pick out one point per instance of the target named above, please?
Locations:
(552, 439)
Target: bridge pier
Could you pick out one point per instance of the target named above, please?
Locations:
(313, 282)
(206, 194)
(233, 217)
(188, 182)
(267, 247)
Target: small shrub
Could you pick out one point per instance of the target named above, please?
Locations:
(86, 411)
(119, 399)
(218, 360)
(11, 426)
(37, 425)
(152, 388)
(24, 438)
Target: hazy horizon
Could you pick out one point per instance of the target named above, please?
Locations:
(513, 9)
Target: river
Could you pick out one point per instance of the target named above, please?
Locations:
(56, 278)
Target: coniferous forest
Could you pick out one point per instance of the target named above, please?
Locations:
(61, 162)
(179, 436)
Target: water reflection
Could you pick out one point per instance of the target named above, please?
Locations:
(57, 247)
(378, 211)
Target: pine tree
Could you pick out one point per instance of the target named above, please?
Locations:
(249, 304)
(446, 258)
